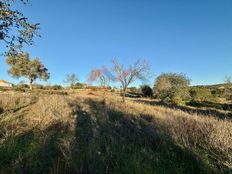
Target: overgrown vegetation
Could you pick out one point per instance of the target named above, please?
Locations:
(82, 133)
(172, 128)
(147, 91)
(172, 87)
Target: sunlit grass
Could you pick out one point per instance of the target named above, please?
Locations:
(86, 133)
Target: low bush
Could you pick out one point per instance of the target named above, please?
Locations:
(18, 88)
(54, 87)
(172, 87)
(209, 104)
(200, 94)
(147, 91)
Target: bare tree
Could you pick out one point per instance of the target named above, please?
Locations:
(228, 79)
(99, 75)
(71, 80)
(140, 70)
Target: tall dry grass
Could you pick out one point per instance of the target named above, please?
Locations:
(70, 132)
(205, 136)
(15, 101)
(51, 109)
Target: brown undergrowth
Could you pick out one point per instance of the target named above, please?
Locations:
(94, 134)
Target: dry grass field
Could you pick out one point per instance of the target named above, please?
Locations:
(91, 133)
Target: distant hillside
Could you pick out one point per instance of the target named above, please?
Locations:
(215, 86)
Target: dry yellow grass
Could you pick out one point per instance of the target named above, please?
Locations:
(191, 131)
(218, 133)
(53, 108)
(205, 136)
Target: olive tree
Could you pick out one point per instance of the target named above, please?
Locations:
(172, 87)
(15, 28)
(22, 66)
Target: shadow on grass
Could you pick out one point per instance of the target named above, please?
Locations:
(108, 141)
(33, 151)
(212, 112)
(208, 104)
(105, 141)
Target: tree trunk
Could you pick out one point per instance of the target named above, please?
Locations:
(124, 95)
(30, 84)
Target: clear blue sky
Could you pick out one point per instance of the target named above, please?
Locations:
(189, 36)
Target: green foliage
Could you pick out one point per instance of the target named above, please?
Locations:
(180, 95)
(223, 91)
(228, 94)
(2, 89)
(146, 91)
(133, 89)
(172, 87)
(228, 88)
(112, 90)
(217, 92)
(78, 85)
(209, 104)
(201, 94)
(22, 66)
(38, 86)
(55, 87)
(21, 85)
(15, 29)
(18, 88)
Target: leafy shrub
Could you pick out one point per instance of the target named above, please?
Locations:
(112, 90)
(78, 85)
(18, 88)
(172, 87)
(217, 92)
(179, 96)
(200, 94)
(2, 89)
(133, 89)
(55, 92)
(54, 87)
(208, 104)
(147, 91)
(38, 86)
